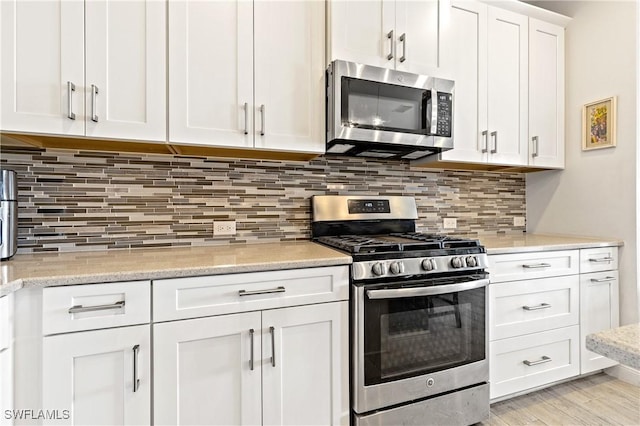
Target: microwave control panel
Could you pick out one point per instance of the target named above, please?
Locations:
(445, 108)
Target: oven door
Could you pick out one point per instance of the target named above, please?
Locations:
(416, 339)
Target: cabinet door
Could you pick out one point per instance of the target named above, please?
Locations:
(126, 62)
(305, 365)
(211, 72)
(507, 91)
(92, 374)
(599, 303)
(290, 75)
(363, 32)
(416, 36)
(41, 55)
(546, 94)
(6, 358)
(203, 373)
(463, 58)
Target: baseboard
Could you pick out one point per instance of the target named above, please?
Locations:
(624, 373)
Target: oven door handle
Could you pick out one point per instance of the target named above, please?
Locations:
(425, 291)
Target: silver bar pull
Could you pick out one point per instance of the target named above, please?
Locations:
(540, 361)
(485, 139)
(251, 331)
(262, 125)
(279, 289)
(602, 280)
(536, 308)
(390, 37)
(534, 140)
(494, 135)
(537, 266)
(94, 93)
(79, 308)
(246, 118)
(403, 39)
(602, 260)
(136, 381)
(272, 330)
(70, 89)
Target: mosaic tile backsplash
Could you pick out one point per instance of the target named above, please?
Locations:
(76, 200)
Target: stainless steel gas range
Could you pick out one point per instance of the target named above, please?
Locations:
(418, 302)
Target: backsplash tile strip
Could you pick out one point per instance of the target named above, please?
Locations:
(83, 200)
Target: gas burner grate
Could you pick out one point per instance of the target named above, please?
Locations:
(440, 241)
(359, 244)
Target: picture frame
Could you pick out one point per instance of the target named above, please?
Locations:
(599, 124)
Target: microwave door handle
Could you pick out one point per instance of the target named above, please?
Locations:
(434, 111)
(396, 293)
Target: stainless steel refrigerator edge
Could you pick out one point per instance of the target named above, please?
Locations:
(8, 214)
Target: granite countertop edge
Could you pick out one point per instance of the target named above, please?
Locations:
(619, 344)
(536, 242)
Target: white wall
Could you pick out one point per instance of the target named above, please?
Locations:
(596, 194)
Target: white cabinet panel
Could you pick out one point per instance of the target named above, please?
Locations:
(6, 358)
(522, 266)
(416, 36)
(598, 259)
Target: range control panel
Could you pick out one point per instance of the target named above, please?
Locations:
(368, 206)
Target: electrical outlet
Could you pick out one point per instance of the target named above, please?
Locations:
(227, 227)
(518, 221)
(450, 223)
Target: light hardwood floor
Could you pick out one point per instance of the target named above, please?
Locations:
(594, 400)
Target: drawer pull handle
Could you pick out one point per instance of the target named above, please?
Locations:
(602, 280)
(79, 308)
(279, 289)
(251, 331)
(537, 265)
(535, 308)
(136, 381)
(272, 330)
(540, 361)
(604, 259)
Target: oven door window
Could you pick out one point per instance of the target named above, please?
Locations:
(381, 106)
(407, 337)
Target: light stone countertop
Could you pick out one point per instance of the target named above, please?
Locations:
(53, 269)
(519, 243)
(621, 344)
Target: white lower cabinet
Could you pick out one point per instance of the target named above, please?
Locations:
(98, 377)
(6, 358)
(284, 366)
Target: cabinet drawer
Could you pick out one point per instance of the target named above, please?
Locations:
(524, 266)
(553, 355)
(598, 259)
(93, 306)
(6, 322)
(530, 306)
(193, 297)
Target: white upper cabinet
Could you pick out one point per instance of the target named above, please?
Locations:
(247, 74)
(396, 34)
(546, 94)
(116, 91)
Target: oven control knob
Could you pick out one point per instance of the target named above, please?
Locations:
(456, 262)
(428, 265)
(396, 268)
(378, 269)
(472, 262)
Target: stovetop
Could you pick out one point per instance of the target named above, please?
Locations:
(396, 242)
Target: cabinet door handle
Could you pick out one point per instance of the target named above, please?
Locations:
(540, 361)
(136, 381)
(262, 125)
(79, 308)
(494, 135)
(390, 37)
(534, 140)
(251, 331)
(536, 266)
(536, 308)
(602, 260)
(279, 289)
(70, 89)
(403, 39)
(602, 280)
(94, 94)
(246, 118)
(272, 330)
(485, 139)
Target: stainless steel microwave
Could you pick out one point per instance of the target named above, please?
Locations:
(382, 113)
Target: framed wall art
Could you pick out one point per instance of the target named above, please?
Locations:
(599, 124)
